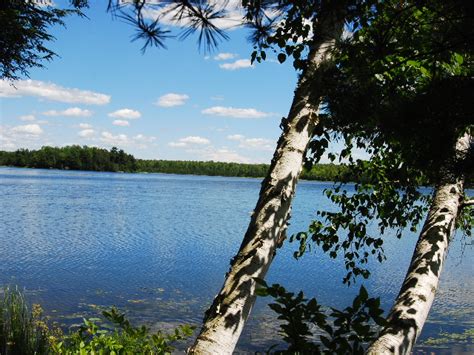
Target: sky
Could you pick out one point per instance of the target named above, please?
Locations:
(178, 103)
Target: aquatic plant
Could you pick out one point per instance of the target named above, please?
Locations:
(22, 331)
(26, 331)
(115, 335)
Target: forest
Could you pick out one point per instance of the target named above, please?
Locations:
(77, 157)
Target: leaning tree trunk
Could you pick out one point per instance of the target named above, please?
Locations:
(225, 318)
(411, 308)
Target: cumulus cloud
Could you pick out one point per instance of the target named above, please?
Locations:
(27, 118)
(238, 64)
(72, 112)
(216, 154)
(194, 140)
(121, 123)
(177, 144)
(171, 100)
(225, 56)
(257, 143)
(51, 91)
(140, 141)
(29, 129)
(125, 113)
(108, 137)
(86, 133)
(23, 136)
(233, 19)
(140, 138)
(235, 137)
(226, 155)
(85, 126)
(252, 143)
(235, 112)
(190, 140)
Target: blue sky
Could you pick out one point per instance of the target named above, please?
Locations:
(174, 103)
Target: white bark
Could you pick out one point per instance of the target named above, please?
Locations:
(411, 308)
(226, 317)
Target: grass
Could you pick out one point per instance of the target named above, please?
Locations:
(25, 331)
(22, 331)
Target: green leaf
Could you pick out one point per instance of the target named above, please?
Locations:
(458, 58)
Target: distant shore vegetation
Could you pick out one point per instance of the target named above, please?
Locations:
(77, 157)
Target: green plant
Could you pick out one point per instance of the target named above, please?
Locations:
(21, 331)
(25, 331)
(95, 337)
(339, 332)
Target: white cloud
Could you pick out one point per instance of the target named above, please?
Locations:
(171, 100)
(86, 133)
(29, 129)
(238, 64)
(225, 56)
(108, 137)
(177, 144)
(50, 91)
(125, 113)
(140, 141)
(226, 155)
(217, 98)
(235, 137)
(195, 140)
(140, 138)
(27, 118)
(23, 136)
(233, 18)
(121, 123)
(72, 112)
(252, 143)
(257, 143)
(85, 126)
(190, 140)
(216, 154)
(235, 112)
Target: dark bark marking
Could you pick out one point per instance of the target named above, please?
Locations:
(409, 284)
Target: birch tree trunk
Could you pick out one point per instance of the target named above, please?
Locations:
(227, 315)
(411, 308)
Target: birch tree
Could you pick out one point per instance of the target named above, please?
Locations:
(411, 307)
(390, 97)
(286, 25)
(226, 317)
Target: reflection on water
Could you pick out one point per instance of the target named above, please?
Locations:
(159, 245)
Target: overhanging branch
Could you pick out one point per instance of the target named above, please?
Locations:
(466, 203)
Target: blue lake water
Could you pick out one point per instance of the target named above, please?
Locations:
(159, 245)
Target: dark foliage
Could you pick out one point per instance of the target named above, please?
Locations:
(96, 159)
(25, 31)
(72, 157)
(308, 327)
(402, 90)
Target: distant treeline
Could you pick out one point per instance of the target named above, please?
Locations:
(72, 157)
(77, 157)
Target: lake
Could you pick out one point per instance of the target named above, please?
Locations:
(158, 246)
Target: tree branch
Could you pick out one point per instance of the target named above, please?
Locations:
(466, 203)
